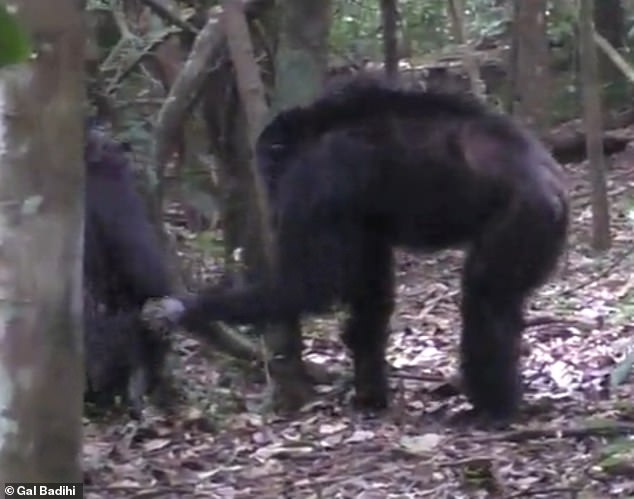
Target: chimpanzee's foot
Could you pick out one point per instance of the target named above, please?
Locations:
(292, 387)
(371, 385)
(473, 418)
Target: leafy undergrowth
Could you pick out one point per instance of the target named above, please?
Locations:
(572, 439)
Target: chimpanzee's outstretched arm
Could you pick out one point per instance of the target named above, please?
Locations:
(305, 284)
(248, 305)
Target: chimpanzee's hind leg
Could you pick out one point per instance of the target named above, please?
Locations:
(371, 300)
(491, 340)
(510, 260)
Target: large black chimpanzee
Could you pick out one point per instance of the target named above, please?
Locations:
(123, 267)
(366, 168)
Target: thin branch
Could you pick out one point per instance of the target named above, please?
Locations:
(184, 89)
(127, 36)
(614, 56)
(138, 58)
(573, 491)
(252, 95)
(606, 429)
(170, 17)
(204, 58)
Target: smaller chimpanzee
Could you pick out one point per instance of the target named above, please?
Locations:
(123, 267)
(366, 168)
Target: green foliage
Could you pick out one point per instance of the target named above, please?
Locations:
(356, 28)
(562, 22)
(426, 27)
(209, 244)
(137, 132)
(617, 456)
(14, 43)
(486, 18)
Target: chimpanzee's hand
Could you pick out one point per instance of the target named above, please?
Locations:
(162, 315)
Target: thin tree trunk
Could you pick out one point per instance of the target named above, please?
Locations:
(594, 129)
(41, 213)
(301, 58)
(456, 13)
(253, 100)
(530, 73)
(301, 62)
(389, 15)
(251, 90)
(609, 20)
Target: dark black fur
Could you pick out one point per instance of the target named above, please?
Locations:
(123, 267)
(367, 168)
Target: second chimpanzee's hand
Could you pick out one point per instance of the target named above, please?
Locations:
(163, 314)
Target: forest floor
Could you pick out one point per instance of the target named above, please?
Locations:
(572, 440)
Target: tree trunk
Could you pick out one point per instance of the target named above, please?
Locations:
(301, 65)
(301, 58)
(228, 133)
(609, 21)
(252, 96)
(530, 76)
(41, 187)
(283, 341)
(456, 13)
(389, 15)
(594, 129)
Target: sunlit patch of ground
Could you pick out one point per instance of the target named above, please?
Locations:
(572, 442)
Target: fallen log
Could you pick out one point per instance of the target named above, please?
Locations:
(568, 144)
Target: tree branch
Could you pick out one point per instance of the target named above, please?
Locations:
(169, 17)
(600, 429)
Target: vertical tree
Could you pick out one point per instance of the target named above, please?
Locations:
(389, 16)
(530, 75)
(41, 185)
(301, 62)
(456, 14)
(252, 96)
(594, 128)
(609, 22)
(302, 52)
